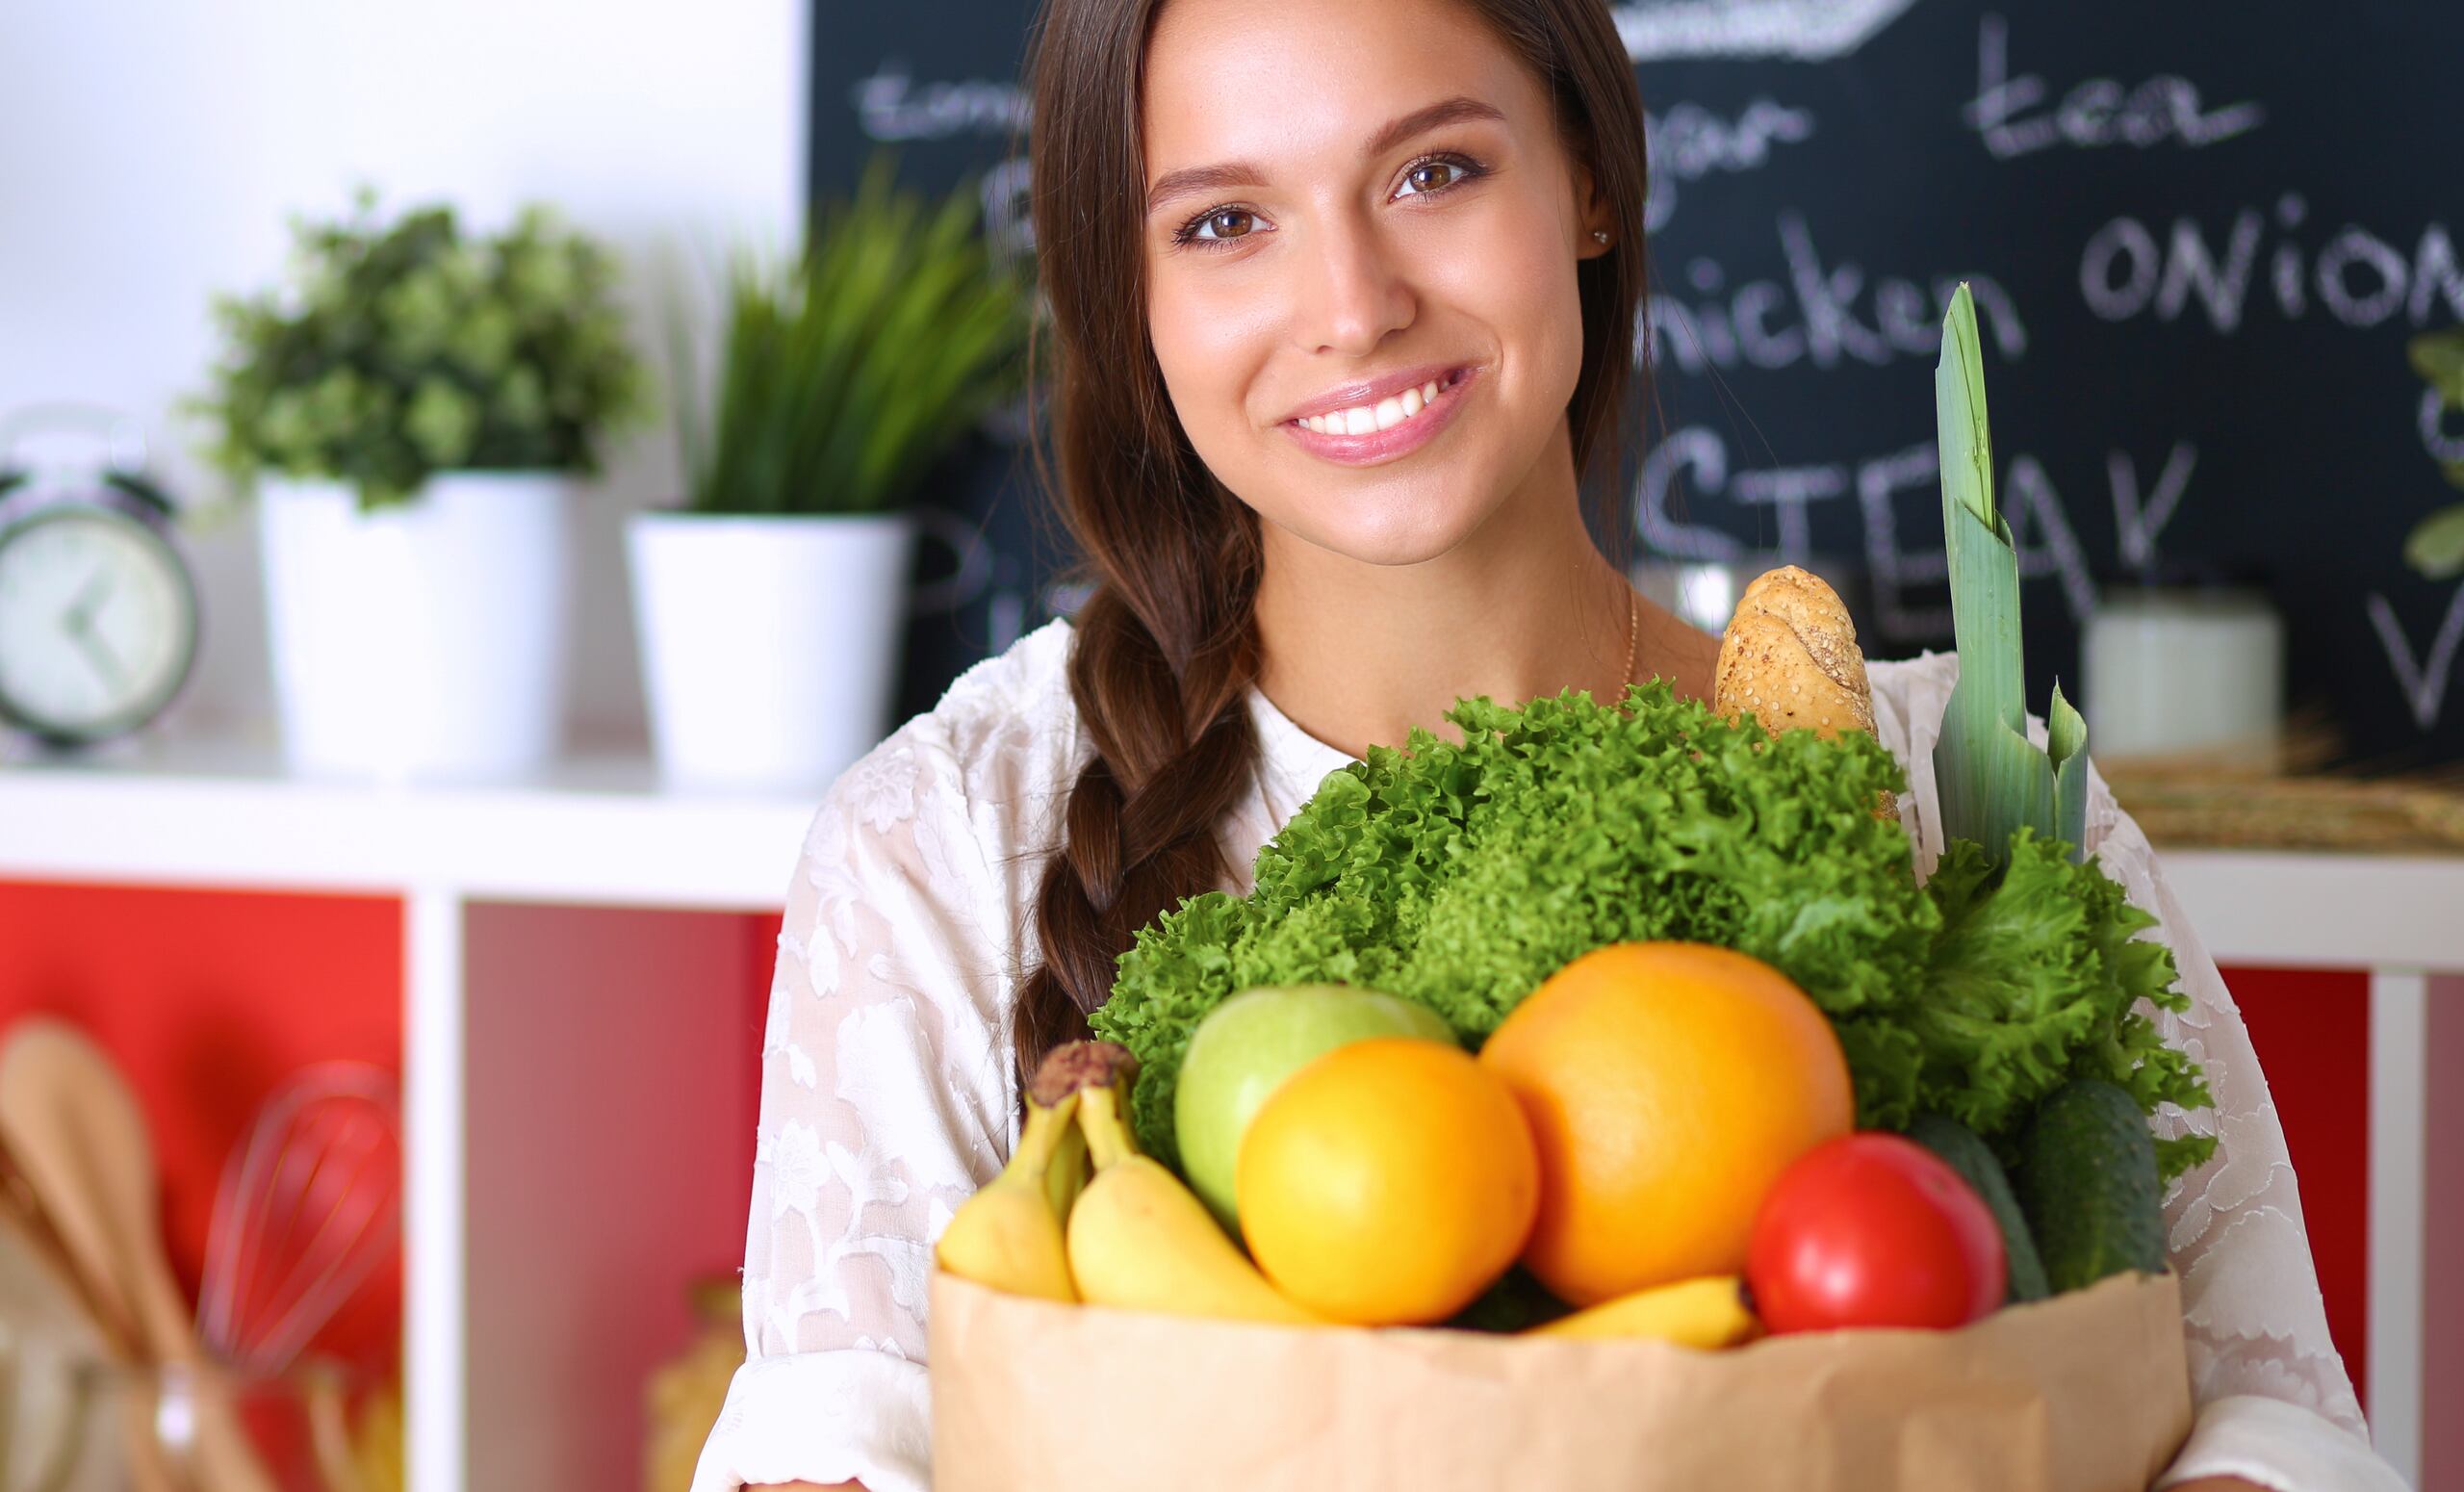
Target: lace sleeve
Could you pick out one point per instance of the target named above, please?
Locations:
(886, 1099)
(2252, 1317)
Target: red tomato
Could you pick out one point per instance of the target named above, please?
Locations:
(1873, 1231)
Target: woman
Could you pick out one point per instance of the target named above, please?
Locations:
(1421, 219)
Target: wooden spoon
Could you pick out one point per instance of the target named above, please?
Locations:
(68, 1118)
(63, 1228)
(26, 1228)
(96, 1335)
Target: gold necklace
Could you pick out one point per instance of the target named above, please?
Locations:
(1634, 630)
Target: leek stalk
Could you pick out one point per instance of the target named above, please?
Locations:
(1993, 779)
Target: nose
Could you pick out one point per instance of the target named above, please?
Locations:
(1356, 290)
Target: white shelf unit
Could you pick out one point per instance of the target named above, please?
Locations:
(601, 832)
(597, 831)
(496, 956)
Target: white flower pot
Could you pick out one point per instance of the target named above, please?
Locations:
(423, 641)
(769, 644)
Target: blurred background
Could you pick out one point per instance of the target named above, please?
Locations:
(460, 506)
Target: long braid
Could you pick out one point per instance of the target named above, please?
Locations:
(1173, 753)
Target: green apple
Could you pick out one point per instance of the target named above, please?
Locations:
(1247, 1045)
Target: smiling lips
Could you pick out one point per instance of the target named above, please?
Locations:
(1367, 434)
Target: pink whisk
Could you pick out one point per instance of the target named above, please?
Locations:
(310, 1203)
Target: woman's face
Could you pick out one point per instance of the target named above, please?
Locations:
(1339, 255)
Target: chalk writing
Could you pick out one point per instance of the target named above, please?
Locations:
(889, 106)
(1896, 570)
(2137, 524)
(1803, 30)
(1701, 453)
(2098, 112)
(1813, 316)
(2033, 508)
(1690, 143)
(1787, 490)
(2422, 679)
(2040, 532)
(2360, 279)
(1901, 568)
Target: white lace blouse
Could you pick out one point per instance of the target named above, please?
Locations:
(887, 1094)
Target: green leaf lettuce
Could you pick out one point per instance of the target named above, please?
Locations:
(1462, 876)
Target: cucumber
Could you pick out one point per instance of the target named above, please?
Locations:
(1970, 1156)
(2086, 1182)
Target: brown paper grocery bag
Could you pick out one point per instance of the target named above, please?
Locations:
(2088, 1392)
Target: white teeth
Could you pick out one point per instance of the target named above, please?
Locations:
(1385, 414)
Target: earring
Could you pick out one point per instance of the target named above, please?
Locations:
(1598, 234)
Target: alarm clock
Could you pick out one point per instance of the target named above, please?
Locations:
(98, 612)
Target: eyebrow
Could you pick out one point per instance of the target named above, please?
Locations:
(1245, 173)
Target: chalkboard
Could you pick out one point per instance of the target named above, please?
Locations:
(2201, 235)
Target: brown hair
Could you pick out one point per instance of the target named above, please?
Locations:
(1165, 648)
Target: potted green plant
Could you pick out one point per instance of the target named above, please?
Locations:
(769, 604)
(412, 409)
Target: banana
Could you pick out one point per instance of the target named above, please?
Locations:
(1066, 1174)
(1708, 1312)
(1141, 1239)
(1008, 1234)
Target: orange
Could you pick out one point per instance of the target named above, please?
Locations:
(1667, 1086)
(1387, 1182)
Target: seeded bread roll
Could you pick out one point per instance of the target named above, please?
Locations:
(1790, 656)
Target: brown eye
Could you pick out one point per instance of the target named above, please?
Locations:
(1224, 223)
(1438, 174)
